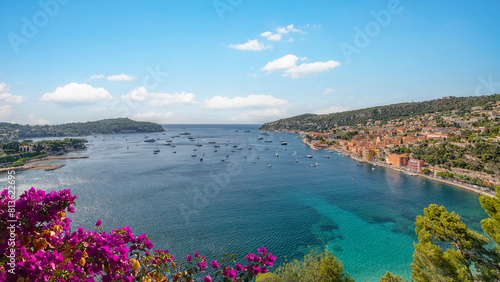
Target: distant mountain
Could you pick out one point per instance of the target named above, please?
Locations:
(312, 122)
(105, 126)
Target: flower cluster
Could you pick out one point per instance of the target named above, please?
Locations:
(46, 250)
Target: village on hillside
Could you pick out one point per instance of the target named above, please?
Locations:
(459, 147)
(27, 154)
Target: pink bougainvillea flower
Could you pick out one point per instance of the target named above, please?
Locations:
(262, 251)
(207, 279)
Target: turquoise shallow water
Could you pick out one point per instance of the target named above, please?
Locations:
(365, 216)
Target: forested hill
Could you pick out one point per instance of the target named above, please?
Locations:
(312, 122)
(105, 126)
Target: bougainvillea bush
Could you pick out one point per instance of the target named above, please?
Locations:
(37, 244)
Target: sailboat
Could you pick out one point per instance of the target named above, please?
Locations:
(277, 155)
(198, 145)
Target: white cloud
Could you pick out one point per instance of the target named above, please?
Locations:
(257, 116)
(96, 76)
(154, 117)
(75, 93)
(328, 91)
(11, 99)
(279, 32)
(37, 121)
(287, 29)
(138, 94)
(288, 64)
(120, 77)
(7, 97)
(332, 109)
(160, 99)
(251, 45)
(5, 112)
(285, 62)
(219, 102)
(309, 69)
(165, 99)
(271, 36)
(4, 87)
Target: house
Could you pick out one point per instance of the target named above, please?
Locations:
(415, 165)
(437, 135)
(26, 148)
(398, 160)
(368, 154)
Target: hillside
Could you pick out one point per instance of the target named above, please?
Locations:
(106, 126)
(312, 122)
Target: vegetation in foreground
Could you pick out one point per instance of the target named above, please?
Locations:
(36, 244)
(41, 247)
(446, 251)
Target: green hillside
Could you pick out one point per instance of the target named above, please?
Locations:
(312, 122)
(105, 126)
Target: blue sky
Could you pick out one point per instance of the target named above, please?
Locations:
(238, 61)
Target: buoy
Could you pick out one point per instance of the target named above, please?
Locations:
(353, 179)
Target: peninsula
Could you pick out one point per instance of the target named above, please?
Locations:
(12, 131)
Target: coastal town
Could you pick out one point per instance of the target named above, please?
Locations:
(29, 155)
(404, 144)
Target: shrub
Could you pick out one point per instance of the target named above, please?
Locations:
(315, 267)
(43, 248)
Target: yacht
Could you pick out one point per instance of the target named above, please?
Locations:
(260, 138)
(309, 156)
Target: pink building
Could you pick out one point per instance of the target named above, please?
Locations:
(415, 165)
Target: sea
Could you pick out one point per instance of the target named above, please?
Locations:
(248, 193)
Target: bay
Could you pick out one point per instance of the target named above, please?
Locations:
(365, 216)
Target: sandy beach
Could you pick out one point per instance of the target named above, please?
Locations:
(39, 164)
